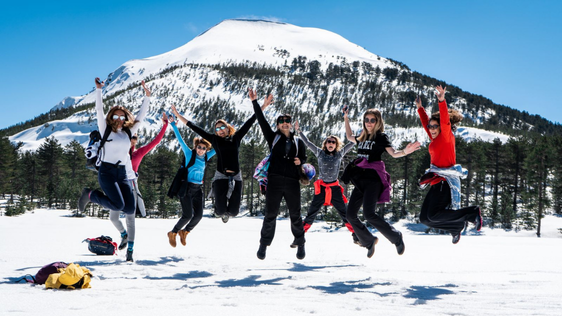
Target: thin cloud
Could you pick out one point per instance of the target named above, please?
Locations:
(192, 28)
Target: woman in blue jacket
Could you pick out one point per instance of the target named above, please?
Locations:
(192, 201)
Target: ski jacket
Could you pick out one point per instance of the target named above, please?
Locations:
(196, 172)
(116, 148)
(283, 154)
(227, 148)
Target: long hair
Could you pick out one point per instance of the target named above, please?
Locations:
(129, 121)
(454, 117)
(379, 125)
(231, 129)
(338, 143)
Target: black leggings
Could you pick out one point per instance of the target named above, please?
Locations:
(367, 192)
(435, 214)
(318, 202)
(223, 205)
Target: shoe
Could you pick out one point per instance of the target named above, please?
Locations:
(124, 240)
(306, 226)
(300, 252)
(172, 239)
(400, 247)
(371, 250)
(225, 218)
(293, 245)
(478, 221)
(261, 252)
(456, 238)
(84, 200)
(130, 255)
(183, 234)
(355, 239)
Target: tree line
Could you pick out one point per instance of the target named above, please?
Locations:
(516, 183)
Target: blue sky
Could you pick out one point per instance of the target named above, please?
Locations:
(508, 51)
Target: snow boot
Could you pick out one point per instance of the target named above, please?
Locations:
(183, 235)
(478, 220)
(371, 250)
(456, 238)
(261, 251)
(130, 255)
(400, 247)
(172, 239)
(84, 200)
(300, 252)
(225, 218)
(124, 240)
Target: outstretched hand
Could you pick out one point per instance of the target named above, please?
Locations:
(164, 118)
(267, 102)
(252, 94)
(99, 83)
(171, 119)
(174, 110)
(411, 147)
(296, 126)
(146, 91)
(440, 93)
(418, 102)
(345, 111)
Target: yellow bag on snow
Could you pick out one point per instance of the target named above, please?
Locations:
(72, 277)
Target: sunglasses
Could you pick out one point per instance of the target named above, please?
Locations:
(429, 126)
(220, 128)
(372, 120)
(119, 117)
(134, 137)
(284, 120)
(201, 147)
(330, 141)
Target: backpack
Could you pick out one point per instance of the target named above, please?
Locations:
(43, 273)
(72, 276)
(260, 173)
(103, 245)
(95, 145)
(179, 185)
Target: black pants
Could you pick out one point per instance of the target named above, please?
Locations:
(435, 214)
(279, 187)
(192, 208)
(367, 192)
(118, 192)
(222, 203)
(318, 202)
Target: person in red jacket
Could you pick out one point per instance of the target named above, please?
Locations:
(136, 157)
(441, 207)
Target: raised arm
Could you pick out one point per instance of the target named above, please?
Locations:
(348, 132)
(186, 151)
(268, 133)
(315, 149)
(445, 120)
(201, 132)
(143, 110)
(410, 148)
(99, 107)
(423, 116)
(246, 127)
(148, 147)
(347, 148)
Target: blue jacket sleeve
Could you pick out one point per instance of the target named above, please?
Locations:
(186, 150)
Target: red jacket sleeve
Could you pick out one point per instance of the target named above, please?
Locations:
(142, 151)
(424, 120)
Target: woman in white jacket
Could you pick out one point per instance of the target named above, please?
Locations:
(116, 169)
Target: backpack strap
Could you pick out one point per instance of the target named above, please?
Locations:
(275, 140)
(192, 159)
(105, 136)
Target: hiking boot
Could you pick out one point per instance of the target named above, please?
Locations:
(225, 218)
(124, 240)
(306, 226)
(478, 220)
(130, 255)
(84, 200)
(355, 239)
(300, 252)
(456, 238)
(261, 252)
(172, 239)
(371, 250)
(183, 234)
(400, 247)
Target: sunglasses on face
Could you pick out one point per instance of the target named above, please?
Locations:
(330, 141)
(284, 120)
(134, 138)
(201, 147)
(220, 128)
(119, 117)
(429, 126)
(370, 120)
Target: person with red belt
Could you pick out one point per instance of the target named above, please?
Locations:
(371, 181)
(441, 207)
(327, 189)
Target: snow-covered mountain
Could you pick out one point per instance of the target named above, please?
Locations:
(311, 72)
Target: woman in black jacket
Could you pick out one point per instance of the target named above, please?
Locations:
(288, 153)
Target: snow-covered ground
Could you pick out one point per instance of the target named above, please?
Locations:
(493, 272)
